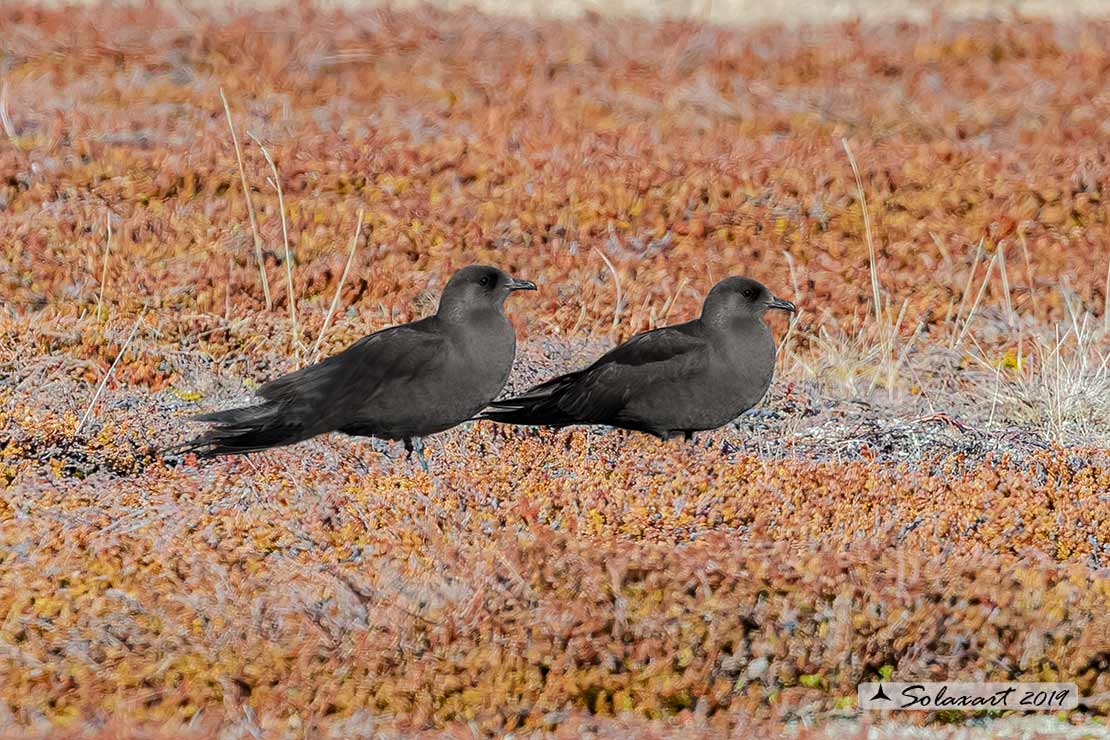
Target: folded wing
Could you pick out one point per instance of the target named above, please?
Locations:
(600, 393)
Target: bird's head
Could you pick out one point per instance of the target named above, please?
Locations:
(738, 298)
(478, 288)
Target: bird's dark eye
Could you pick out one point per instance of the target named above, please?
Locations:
(748, 293)
(485, 281)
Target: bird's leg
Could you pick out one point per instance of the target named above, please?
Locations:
(416, 444)
(688, 436)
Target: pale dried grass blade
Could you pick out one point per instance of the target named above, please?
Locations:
(250, 205)
(338, 289)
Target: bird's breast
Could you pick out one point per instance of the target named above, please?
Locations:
(488, 351)
(750, 356)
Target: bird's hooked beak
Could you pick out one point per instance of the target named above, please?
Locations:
(515, 284)
(781, 305)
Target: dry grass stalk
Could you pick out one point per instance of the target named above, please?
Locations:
(250, 205)
(963, 296)
(1066, 390)
(895, 368)
(1029, 274)
(5, 121)
(1106, 298)
(227, 289)
(1011, 317)
(107, 375)
(941, 248)
(978, 300)
(619, 305)
(292, 299)
(104, 267)
(884, 338)
(671, 301)
(797, 314)
(338, 289)
(784, 342)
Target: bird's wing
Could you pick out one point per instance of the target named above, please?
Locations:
(662, 345)
(663, 355)
(600, 391)
(338, 387)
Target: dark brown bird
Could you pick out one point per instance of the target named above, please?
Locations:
(404, 382)
(678, 379)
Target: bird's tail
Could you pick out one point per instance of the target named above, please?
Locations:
(538, 407)
(242, 430)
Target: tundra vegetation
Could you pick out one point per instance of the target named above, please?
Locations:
(193, 202)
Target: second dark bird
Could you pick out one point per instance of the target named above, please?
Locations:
(404, 382)
(674, 380)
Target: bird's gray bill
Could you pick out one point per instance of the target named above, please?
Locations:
(782, 305)
(515, 284)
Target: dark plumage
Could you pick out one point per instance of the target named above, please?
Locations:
(403, 382)
(678, 379)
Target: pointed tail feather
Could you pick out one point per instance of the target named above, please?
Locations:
(537, 407)
(524, 416)
(238, 417)
(243, 430)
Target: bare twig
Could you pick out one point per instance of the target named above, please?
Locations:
(104, 267)
(338, 289)
(107, 375)
(620, 295)
(288, 254)
(250, 205)
(872, 259)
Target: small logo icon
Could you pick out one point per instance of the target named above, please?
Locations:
(880, 695)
